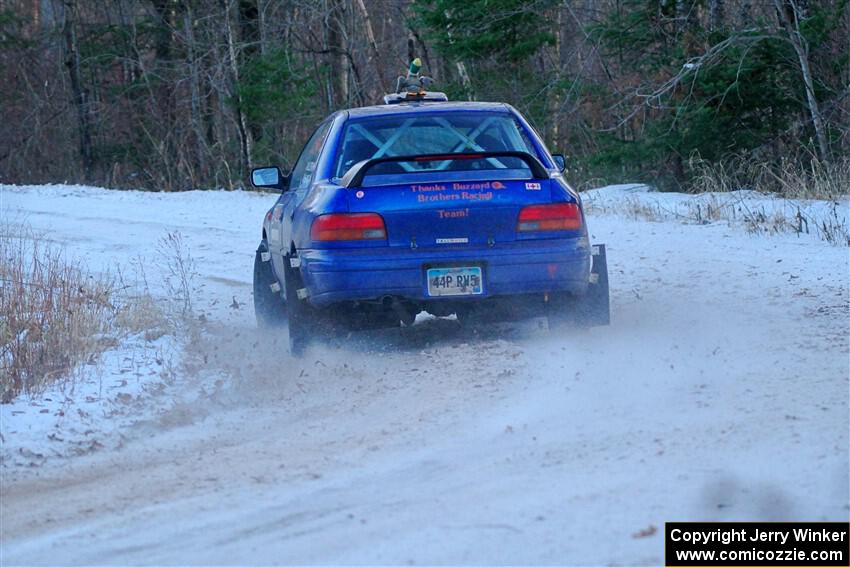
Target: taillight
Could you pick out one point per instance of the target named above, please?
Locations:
(355, 226)
(557, 216)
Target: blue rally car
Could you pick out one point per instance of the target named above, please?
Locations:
(424, 204)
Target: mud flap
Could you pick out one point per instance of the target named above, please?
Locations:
(299, 334)
(594, 308)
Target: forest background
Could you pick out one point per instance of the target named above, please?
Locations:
(180, 94)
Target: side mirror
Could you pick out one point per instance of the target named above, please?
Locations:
(269, 177)
(560, 161)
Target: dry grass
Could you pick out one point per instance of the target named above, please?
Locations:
(798, 198)
(179, 273)
(58, 315)
(137, 311)
(814, 180)
(792, 179)
(55, 314)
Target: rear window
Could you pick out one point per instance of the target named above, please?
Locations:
(432, 133)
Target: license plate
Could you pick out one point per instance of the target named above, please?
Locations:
(455, 281)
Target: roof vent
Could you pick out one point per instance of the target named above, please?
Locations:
(431, 96)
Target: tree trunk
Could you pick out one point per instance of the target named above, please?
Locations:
(165, 9)
(246, 139)
(461, 67)
(681, 15)
(555, 98)
(261, 27)
(790, 13)
(373, 44)
(426, 56)
(338, 80)
(715, 14)
(465, 80)
(81, 100)
(195, 93)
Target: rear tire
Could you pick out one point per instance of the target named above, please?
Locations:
(592, 309)
(562, 311)
(269, 307)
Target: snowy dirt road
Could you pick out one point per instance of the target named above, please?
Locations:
(720, 392)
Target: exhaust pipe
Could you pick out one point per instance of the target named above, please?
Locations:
(400, 310)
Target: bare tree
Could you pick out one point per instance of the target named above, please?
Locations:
(375, 54)
(81, 97)
(790, 13)
(247, 139)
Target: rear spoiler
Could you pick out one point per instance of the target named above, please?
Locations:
(354, 176)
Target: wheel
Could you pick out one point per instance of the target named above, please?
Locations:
(299, 313)
(269, 307)
(591, 309)
(561, 311)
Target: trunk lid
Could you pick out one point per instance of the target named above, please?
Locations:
(450, 213)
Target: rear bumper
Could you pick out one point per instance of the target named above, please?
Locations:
(517, 268)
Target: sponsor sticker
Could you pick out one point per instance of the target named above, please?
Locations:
(475, 186)
(427, 188)
(359, 194)
(532, 186)
(452, 214)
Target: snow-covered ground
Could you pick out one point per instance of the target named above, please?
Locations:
(754, 212)
(719, 392)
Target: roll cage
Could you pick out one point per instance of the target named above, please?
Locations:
(386, 144)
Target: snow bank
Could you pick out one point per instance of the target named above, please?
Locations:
(750, 210)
